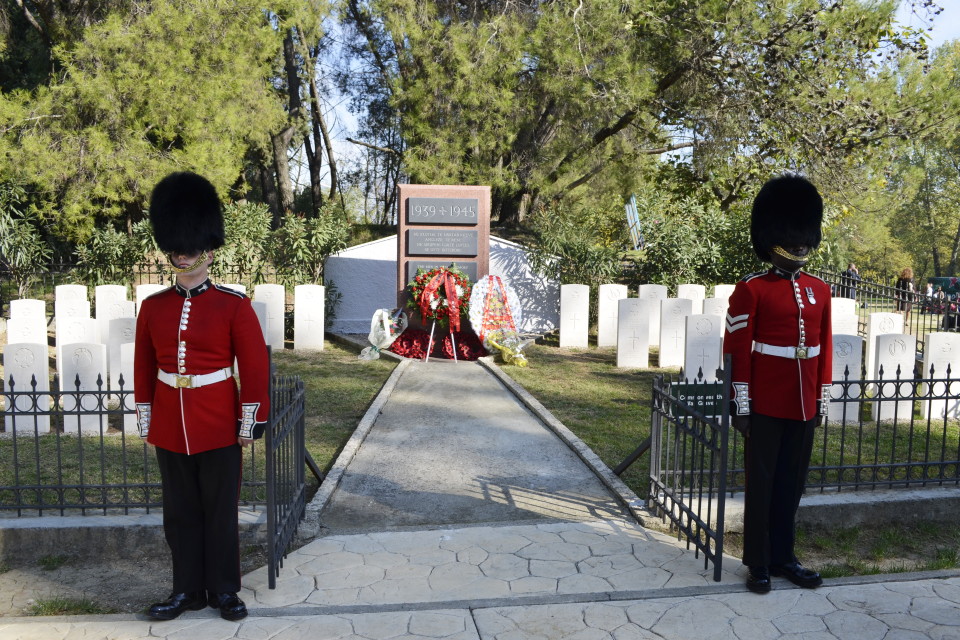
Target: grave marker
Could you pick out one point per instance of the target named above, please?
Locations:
(633, 333)
(702, 347)
(574, 315)
(608, 309)
(673, 313)
(879, 324)
(23, 363)
(847, 354)
(941, 350)
(893, 351)
(308, 316)
(88, 362)
(655, 293)
(694, 292)
(275, 298)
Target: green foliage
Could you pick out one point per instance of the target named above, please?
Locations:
(301, 246)
(244, 254)
(60, 606)
(50, 563)
(23, 249)
(110, 256)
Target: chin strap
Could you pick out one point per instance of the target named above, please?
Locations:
(199, 261)
(780, 251)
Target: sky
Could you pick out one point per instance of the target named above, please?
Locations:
(946, 26)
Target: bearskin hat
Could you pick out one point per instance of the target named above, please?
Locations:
(788, 211)
(185, 214)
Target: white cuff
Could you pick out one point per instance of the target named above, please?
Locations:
(741, 397)
(248, 420)
(143, 418)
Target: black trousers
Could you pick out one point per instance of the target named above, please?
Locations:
(777, 457)
(200, 494)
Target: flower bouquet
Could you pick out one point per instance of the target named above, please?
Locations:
(442, 296)
(385, 327)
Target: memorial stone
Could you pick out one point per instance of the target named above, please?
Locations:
(275, 297)
(24, 363)
(895, 353)
(260, 309)
(116, 310)
(844, 323)
(941, 351)
(144, 291)
(574, 315)
(723, 290)
(127, 399)
(655, 293)
(120, 331)
(878, 324)
(79, 329)
(633, 333)
(608, 308)
(847, 365)
(236, 287)
(21, 330)
(694, 292)
(702, 347)
(715, 307)
(308, 316)
(71, 308)
(673, 313)
(64, 292)
(88, 363)
(843, 306)
(29, 309)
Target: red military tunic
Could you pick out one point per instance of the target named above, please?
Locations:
(200, 331)
(781, 310)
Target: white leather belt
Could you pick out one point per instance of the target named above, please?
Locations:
(794, 353)
(192, 382)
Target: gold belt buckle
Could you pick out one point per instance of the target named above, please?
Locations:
(801, 353)
(184, 382)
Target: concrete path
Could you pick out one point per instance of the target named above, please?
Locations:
(558, 559)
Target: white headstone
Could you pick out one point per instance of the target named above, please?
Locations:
(723, 290)
(88, 363)
(24, 363)
(845, 323)
(941, 350)
(126, 400)
(847, 365)
(574, 315)
(27, 330)
(633, 333)
(70, 329)
(702, 347)
(260, 308)
(673, 314)
(236, 287)
(843, 306)
(894, 351)
(64, 292)
(120, 331)
(71, 308)
(144, 291)
(878, 324)
(694, 292)
(30, 309)
(607, 309)
(115, 310)
(308, 316)
(276, 298)
(655, 293)
(716, 307)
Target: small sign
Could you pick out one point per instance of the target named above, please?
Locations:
(707, 398)
(469, 267)
(436, 211)
(441, 242)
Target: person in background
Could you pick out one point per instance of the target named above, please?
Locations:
(905, 293)
(779, 341)
(927, 298)
(850, 278)
(187, 401)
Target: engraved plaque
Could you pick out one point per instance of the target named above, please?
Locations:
(435, 211)
(441, 242)
(468, 267)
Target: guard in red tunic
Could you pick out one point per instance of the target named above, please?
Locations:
(189, 339)
(779, 339)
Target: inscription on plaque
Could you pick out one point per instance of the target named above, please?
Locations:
(469, 268)
(441, 242)
(442, 210)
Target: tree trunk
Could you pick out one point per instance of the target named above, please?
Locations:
(268, 187)
(281, 165)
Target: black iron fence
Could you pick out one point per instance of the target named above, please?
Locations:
(286, 453)
(688, 460)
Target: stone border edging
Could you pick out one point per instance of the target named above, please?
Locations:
(310, 527)
(634, 505)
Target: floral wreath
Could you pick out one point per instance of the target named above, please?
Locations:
(441, 295)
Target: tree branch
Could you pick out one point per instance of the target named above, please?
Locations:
(373, 146)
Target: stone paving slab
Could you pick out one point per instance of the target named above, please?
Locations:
(484, 562)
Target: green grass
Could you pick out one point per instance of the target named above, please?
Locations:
(58, 606)
(51, 563)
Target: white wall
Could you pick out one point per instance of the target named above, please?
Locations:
(366, 275)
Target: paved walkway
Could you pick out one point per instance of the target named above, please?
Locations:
(582, 571)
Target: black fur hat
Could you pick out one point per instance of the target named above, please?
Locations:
(787, 211)
(185, 214)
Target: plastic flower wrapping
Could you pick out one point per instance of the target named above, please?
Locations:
(385, 327)
(495, 311)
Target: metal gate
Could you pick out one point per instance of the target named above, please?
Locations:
(689, 444)
(285, 468)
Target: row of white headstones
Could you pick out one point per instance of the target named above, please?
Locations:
(688, 330)
(100, 347)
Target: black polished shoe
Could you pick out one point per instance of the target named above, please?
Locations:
(176, 604)
(798, 574)
(758, 580)
(231, 607)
